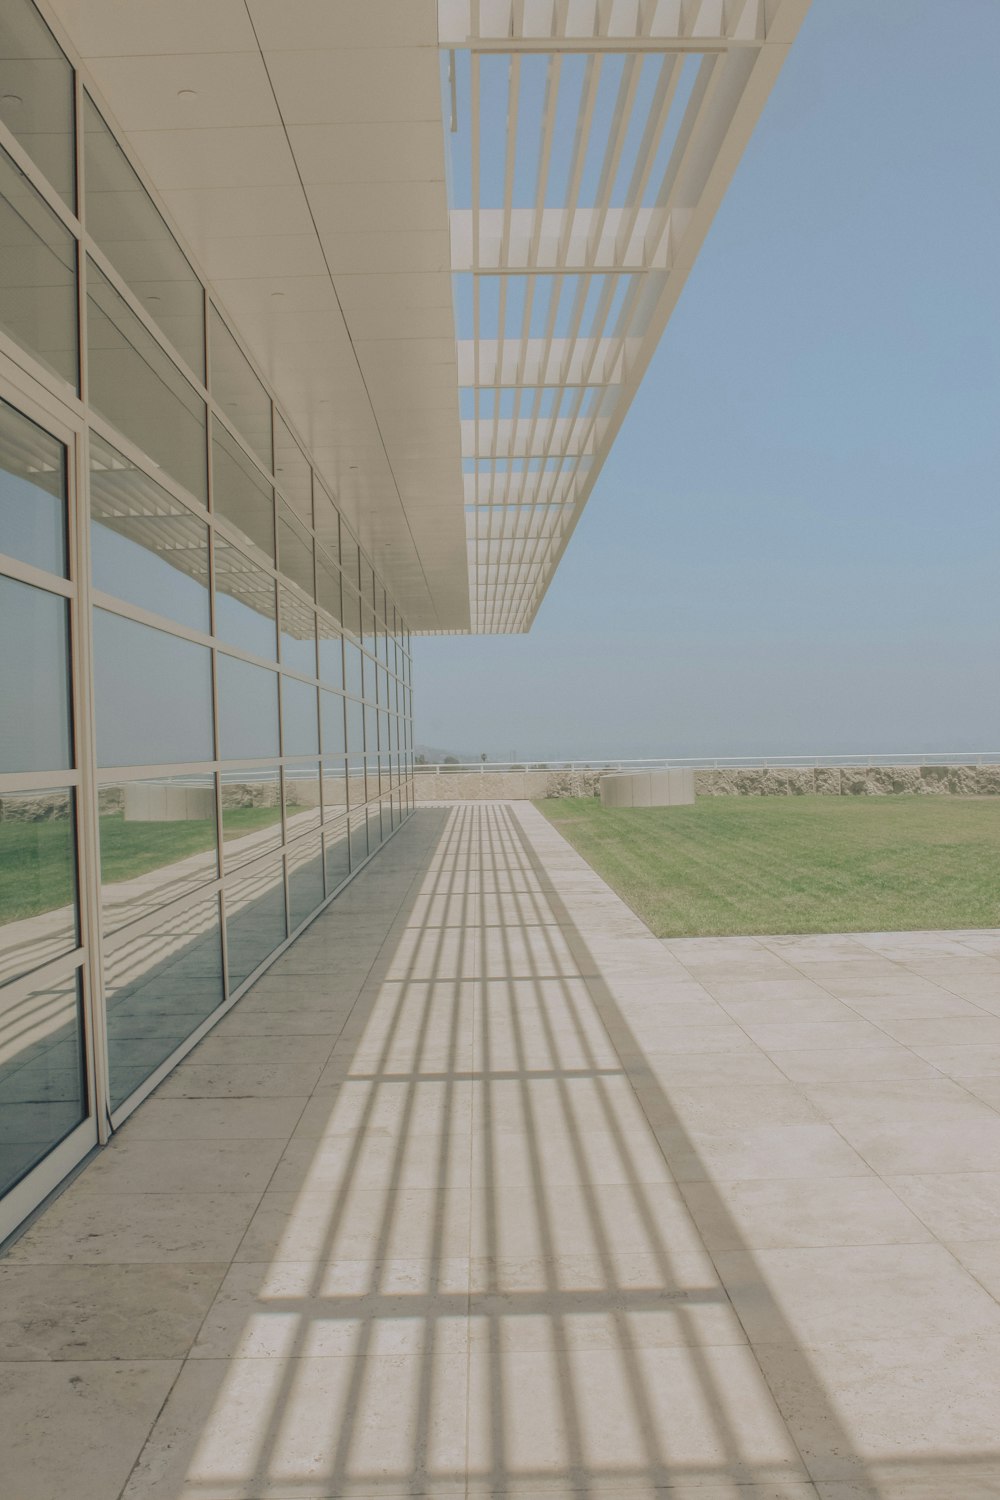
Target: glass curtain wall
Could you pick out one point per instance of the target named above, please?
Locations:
(205, 690)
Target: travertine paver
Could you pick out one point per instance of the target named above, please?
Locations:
(484, 1190)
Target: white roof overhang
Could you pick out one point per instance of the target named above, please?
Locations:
(593, 142)
(298, 147)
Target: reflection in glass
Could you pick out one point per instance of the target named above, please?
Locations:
(305, 879)
(302, 805)
(326, 520)
(352, 610)
(255, 917)
(245, 613)
(334, 787)
(43, 1092)
(328, 585)
(37, 275)
(292, 471)
(145, 546)
(251, 813)
(32, 493)
(153, 695)
(139, 388)
(36, 94)
(238, 391)
(248, 710)
(331, 655)
(355, 727)
(34, 679)
(375, 833)
(160, 984)
(298, 633)
(38, 905)
(299, 729)
(240, 492)
(337, 855)
(332, 716)
(295, 552)
(158, 841)
(358, 839)
(126, 224)
(352, 668)
(368, 677)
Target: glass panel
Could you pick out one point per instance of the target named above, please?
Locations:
(328, 585)
(248, 710)
(36, 94)
(326, 520)
(352, 611)
(368, 676)
(349, 555)
(374, 827)
(338, 858)
(334, 787)
(359, 839)
(240, 492)
(305, 879)
(292, 471)
(352, 668)
(298, 634)
(251, 813)
(153, 695)
(145, 546)
(299, 729)
(37, 275)
(238, 391)
(160, 985)
(37, 879)
(138, 387)
(34, 680)
(124, 221)
(245, 613)
(32, 493)
(295, 552)
(331, 655)
(371, 730)
(255, 917)
(302, 807)
(356, 790)
(355, 727)
(331, 708)
(158, 841)
(43, 1091)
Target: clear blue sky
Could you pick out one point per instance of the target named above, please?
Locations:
(795, 544)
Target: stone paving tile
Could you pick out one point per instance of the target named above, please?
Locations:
(485, 1191)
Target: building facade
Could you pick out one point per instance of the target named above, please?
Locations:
(317, 322)
(206, 688)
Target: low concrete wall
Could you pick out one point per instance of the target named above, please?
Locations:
(755, 781)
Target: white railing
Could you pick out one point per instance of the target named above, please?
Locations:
(723, 762)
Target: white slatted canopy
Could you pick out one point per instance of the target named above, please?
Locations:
(592, 143)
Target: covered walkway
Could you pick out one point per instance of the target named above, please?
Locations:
(485, 1191)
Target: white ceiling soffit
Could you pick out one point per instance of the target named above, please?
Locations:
(299, 147)
(592, 142)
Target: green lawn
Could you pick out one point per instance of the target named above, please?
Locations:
(36, 858)
(730, 865)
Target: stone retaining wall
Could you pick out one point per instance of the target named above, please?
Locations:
(754, 781)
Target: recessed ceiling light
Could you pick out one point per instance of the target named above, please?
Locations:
(153, 298)
(187, 93)
(277, 294)
(11, 99)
